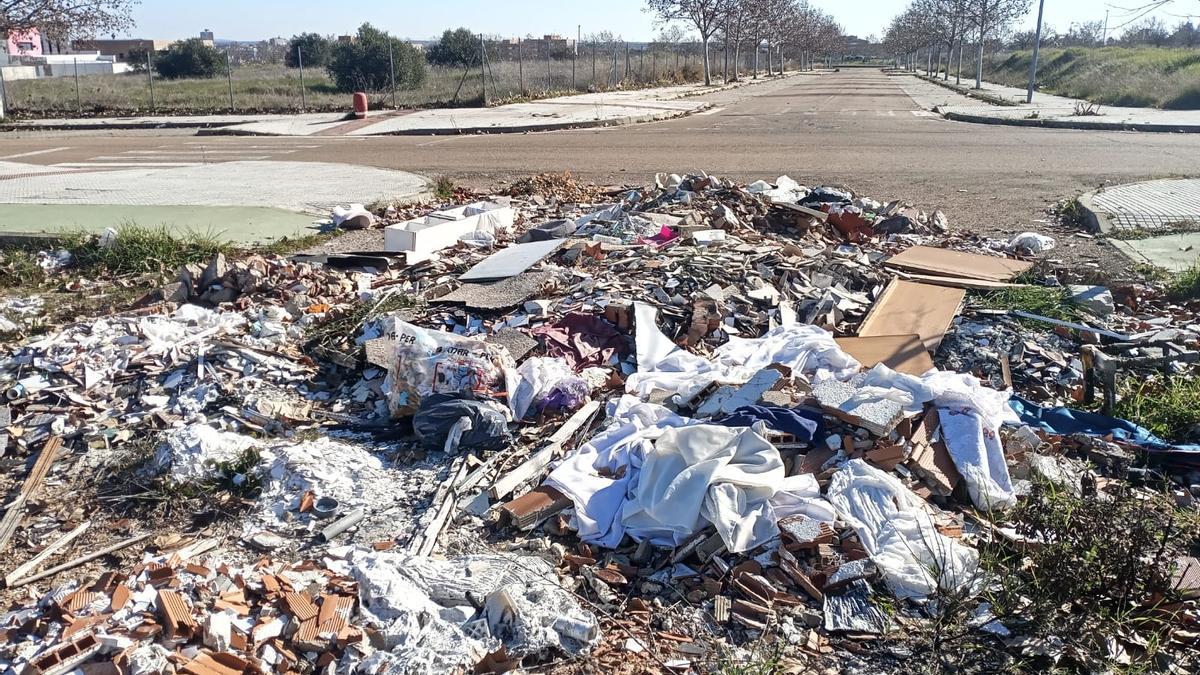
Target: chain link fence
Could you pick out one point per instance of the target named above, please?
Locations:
(506, 71)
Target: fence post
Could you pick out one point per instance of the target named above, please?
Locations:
(150, 74)
(392, 66)
(626, 61)
(3, 94)
(549, 70)
(300, 60)
(229, 78)
(574, 61)
(483, 67)
(521, 65)
(78, 100)
(593, 64)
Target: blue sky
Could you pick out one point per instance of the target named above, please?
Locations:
(247, 20)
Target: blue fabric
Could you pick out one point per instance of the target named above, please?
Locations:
(799, 422)
(1065, 421)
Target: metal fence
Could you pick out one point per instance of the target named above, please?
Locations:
(506, 70)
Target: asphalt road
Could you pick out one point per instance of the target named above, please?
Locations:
(857, 128)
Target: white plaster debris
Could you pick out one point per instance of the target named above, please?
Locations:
(425, 610)
(190, 453)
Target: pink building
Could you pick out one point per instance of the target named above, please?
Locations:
(26, 43)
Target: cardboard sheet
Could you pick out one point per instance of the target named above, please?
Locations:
(943, 262)
(901, 353)
(909, 308)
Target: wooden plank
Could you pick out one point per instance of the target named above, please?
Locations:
(46, 553)
(541, 459)
(81, 560)
(947, 263)
(901, 353)
(954, 282)
(909, 308)
(12, 517)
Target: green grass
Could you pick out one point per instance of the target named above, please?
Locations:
(1118, 76)
(1054, 303)
(138, 250)
(275, 88)
(1186, 284)
(443, 188)
(1170, 407)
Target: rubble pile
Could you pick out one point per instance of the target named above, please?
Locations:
(646, 427)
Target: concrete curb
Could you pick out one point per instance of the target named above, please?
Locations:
(470, 131)
(1066, 124)
(1097, 221)
(51, 125)
(967, 91)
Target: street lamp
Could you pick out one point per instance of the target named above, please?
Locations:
(1037, 45)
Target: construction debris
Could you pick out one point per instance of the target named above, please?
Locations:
(642, 426)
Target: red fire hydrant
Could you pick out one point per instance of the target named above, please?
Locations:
(360, 105)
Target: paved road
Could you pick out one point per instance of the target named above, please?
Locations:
(859, 127)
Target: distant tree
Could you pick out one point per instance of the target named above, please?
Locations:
(455, 48)
(315, 50)
(1149, 31)
(1084, 34)
(706, 16)
(1186, 35)
(65, 19)
(189, 58)
(988, 18)
(363, 64)
(137, 59)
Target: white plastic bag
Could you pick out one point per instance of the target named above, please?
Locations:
(431, 362)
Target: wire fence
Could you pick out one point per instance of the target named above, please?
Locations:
(504, 71)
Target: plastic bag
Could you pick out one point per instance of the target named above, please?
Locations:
(538, 376)
(488, 424)
(429, 362)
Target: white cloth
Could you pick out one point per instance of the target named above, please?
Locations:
(807, 350)
(802, 495)
(971, 415)
(899, 534)
(658, 476)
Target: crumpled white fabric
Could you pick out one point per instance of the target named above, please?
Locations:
(898, 534)
(807, 350)
(659, 476)
(785, 190)
(537, 377)
(971, 415)
(1031, 243)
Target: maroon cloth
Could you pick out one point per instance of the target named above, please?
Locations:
(583, 340)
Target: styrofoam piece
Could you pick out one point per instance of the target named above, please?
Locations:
(442, 229)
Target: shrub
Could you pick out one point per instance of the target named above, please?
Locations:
(313, 47)
(456, 48)
(189, 58)
(364, 63)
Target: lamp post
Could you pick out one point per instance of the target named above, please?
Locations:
(1037, 45)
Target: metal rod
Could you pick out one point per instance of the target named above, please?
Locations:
(392, 65)
(1037, 47)
(78, 99)
(300, 61)
(521, 65)
(482, 68)
(150, 74)
(549, 70)
(229, 77)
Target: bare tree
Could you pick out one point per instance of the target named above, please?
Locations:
(65, 19)
(705, 15)
(736, 28)
(989, 17)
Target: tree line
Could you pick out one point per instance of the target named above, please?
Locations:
(943, 28)
(778, 25)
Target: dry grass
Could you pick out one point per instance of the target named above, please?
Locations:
(1119, 76)
(274, 88)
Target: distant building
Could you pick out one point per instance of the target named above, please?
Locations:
(23, 43)
(278, 42)
(207, 34)
(121, 49)
(508, 48)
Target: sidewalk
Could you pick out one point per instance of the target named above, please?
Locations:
(245, 201)
(1047, 110)
(610, 108)
(1154, 221)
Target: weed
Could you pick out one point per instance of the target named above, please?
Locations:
(1052, 302)
(1085, 109)
(763, 660)
(1071, 213)
(443, 188)
(1168, 406)
(1186, 284)
(137, 250)
(1150, 272)
(19, 268)
(341, 330)
(290, 245)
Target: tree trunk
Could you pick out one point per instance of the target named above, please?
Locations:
(958, 75)
(707, 72)
(979, 54)
(737, 56)
(757, 49)
(770, 60)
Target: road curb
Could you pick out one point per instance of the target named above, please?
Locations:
(1096, 221)
(471, 131)
(967, 91)
(1065, 124)
(119, 126)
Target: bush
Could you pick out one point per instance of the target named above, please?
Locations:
(364, 64)
(314, 48)
(456, 48)
(189, 58)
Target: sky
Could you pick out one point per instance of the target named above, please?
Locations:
(259, 19)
